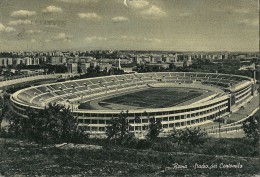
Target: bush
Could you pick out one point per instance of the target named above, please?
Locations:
(129, 141)
(251, 129)
(143, 144)
(165, 146)
(54, 124)
(189, 136)
(118, 129)
(4, 133)
(155, 128)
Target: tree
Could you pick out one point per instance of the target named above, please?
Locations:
(251, 129)
(4, 107)
(119, 127)
(54, 124)
(1, 109)
(189, 136)
(154, 129)
(176, 136)
(194, 136)
(172, 67)
(79, 69)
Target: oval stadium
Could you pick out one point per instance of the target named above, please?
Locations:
(177, 99)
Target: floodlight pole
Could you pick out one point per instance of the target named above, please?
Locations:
(219, 125)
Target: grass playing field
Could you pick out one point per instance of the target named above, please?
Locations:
(155, 97)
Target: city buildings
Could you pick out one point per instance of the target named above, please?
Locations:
(80, 61)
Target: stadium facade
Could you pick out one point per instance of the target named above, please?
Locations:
(230, 93)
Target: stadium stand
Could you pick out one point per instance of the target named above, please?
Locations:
(234, 89)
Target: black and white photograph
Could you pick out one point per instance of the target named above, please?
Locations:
(129, 88)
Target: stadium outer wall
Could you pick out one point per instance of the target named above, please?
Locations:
(236, 91)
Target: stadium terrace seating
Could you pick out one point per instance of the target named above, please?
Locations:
(223, 84)
(76, 88)
(43, 89)
(181, 74)
(172, 75)
(32, 92)
(235, 78)
(94, 81)
(59, 99)
(214, 79)
(226, 81)
(83, 82)
(88, 89)
(50, 88)
(162, 75)
(172, 80)
(43, 97)
(225, 76)
(109, 79)
(181, 81)
(120, 78)
(61, 92)
(24, 96)
(202, 75)
(212, 76)
(35, 91)
(120, 87)
(188, 81)
(123, 81)
(111, 84)
(57, 86)
(94, 87)
(70, 90)
(135, 79)
(183, 78)
(190, 75)
(70, 84)
(129, 76)
(72, 96)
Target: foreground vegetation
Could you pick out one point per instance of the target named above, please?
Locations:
(39, 149)
(21, 158)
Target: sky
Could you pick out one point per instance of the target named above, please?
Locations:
(176, 25)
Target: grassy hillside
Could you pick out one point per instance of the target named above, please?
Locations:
(25, 158)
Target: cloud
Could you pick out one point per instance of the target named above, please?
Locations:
(63, 37)
(137, 4)
(155, 40)
(241, 11)
(153, 11)
(6, 28)
(144, 8)
(88, 16)
(52, 9)
(185, 14)
(124, 38)
(119, 19)
(250, 22)
(20, 22)
(234, 10)
(78, 1)
(33, 31)
(139, 39)
(128, 38)
(33, 40)
(60, 37)
(23, 13)
(96, 38)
